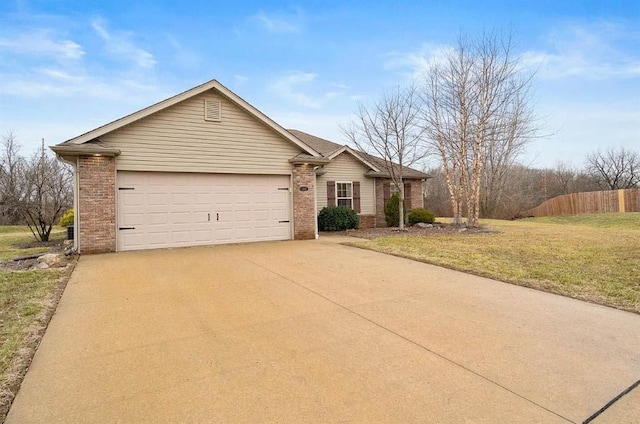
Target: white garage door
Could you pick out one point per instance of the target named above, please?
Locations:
(157, 210)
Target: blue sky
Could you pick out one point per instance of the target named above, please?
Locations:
(69, 66)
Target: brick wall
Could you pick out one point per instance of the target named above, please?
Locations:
(97, 204)
(304, 203)
(417, 199)
(367, 221)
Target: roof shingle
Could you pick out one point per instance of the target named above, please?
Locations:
(326, 148)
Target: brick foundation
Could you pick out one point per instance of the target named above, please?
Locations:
(304, 202)
(97, 204)
(367, 221)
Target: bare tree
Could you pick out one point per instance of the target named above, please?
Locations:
(391, 130)
(614, 168)
(476, 110)
(12, 169)
(436, 194)
(36, 191)
(47, 195)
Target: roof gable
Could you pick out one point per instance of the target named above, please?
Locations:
(157, 107)
(331, 150)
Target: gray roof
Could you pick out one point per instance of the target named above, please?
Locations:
(320, 145)
(326, 148)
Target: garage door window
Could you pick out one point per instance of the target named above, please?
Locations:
(344, 194)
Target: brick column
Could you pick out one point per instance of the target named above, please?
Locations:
(96, 218)
(304, 202)
(417, 199)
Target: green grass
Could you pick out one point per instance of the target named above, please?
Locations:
(22, 293)
(591, 257)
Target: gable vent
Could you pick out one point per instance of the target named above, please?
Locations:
(212, 110)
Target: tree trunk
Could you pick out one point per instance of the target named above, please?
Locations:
(401, 207)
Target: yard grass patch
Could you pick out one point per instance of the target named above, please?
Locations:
(24, 296)
(11, 236)
(590, 257)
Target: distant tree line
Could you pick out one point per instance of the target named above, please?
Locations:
(34, 191)
(519, 188)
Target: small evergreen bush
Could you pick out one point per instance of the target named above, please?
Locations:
(337, 218)
(392, 211)
(421, 215)
(67, 219)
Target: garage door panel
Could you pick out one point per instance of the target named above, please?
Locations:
(158, 238)
(160, 199)
(135, 241)
(181, 198)
(157, 218)
(130, 219)
(180, 218)
(203, 199)
(200, 236)
(171, 210)
(132, 199)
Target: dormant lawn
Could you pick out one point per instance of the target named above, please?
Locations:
(27, 299)
(590, 257)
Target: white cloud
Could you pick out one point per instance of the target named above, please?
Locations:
(42, 42)
(240, 80)
(414, 64)
(594, 51)
(183, 56)
(289, 88)
(60, 74)
(325, 125)
(119, 45)
(303, 89)
(278, 23)
(48, 83)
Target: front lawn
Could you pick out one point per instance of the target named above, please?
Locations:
(27, 299)
(590, 257)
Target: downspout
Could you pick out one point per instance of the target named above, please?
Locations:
(76, 203)
(315, 200)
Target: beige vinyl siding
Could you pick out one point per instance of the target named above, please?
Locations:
(179, 139)
(346, 168)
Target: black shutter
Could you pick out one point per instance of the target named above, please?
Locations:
(407, 196)
(331, 193)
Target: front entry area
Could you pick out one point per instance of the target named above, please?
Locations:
(160, 210)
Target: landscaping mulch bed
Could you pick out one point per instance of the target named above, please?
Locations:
(414, 230)
(23, 263)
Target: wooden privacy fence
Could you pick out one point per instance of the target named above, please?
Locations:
(589, 202)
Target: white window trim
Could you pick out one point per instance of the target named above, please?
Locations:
(344, 198)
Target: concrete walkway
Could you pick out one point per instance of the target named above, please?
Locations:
(295, 332)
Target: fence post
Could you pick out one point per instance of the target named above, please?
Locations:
(621, 201)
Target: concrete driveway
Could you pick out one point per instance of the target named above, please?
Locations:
(296, 332)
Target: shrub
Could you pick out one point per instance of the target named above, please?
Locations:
(421, 215)
(392, 211)
(67, 219)
(337, 218)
